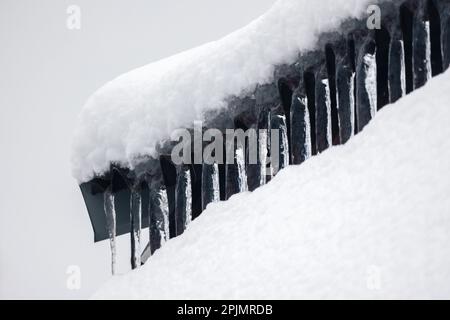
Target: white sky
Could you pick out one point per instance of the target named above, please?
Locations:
(46, 74)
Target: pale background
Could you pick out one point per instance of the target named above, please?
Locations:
(46, 74)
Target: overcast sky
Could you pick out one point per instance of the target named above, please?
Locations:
(46, 74)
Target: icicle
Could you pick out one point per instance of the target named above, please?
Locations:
(428, 50)
(266, 168)
(235, 173)
(210, 184)
(300, 129)
(445, 36)
(397, 76)
(262, 155)
(231, 180)
(242, 175)
(352, 103)
(263, 147)
(284, 159)
(326, 83)
(279, 123)
(111, 225)
(346, 102)
(366, 85)
(159, 218)
(183, 200)
(403, 69)
(307, 133)
(163, 221)
(370, 62)
(323, 115)
(135, 232)
(216, 184)
(421, 50)
(188, 196)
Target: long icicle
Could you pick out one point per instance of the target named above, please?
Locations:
(242, 174)
(300, 129)
(210, 184)
(110, 213)
(159, 217)
(346, 101)
(183, 200)
(278, 143)
(135, 219)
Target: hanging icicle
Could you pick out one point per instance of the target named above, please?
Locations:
(135, 219)
(366, 84)
(279, 144)
(331, 56)
(163, 218)
(188, 196)
(421, 48)
(242, 174)
(110, 214)
(397, 75)
(323, 113)
(183, 200)
(370, 81)
(158, 220)
(445, 34)
(210, 184)
(159, 217)
(256, 172)
(346, 102)
(300, 129)
(262, 155)
(235, 173)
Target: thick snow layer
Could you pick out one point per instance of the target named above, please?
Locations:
(370, 219)
(130, 115)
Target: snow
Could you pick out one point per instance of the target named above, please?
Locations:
(369, 219)
(127, 118)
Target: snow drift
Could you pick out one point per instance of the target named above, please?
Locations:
(369, 219)
(129, 116)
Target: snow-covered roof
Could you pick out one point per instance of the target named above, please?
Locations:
(129, 116)
(369, 219)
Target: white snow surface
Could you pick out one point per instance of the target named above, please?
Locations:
(126, 119)
(370, 219)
